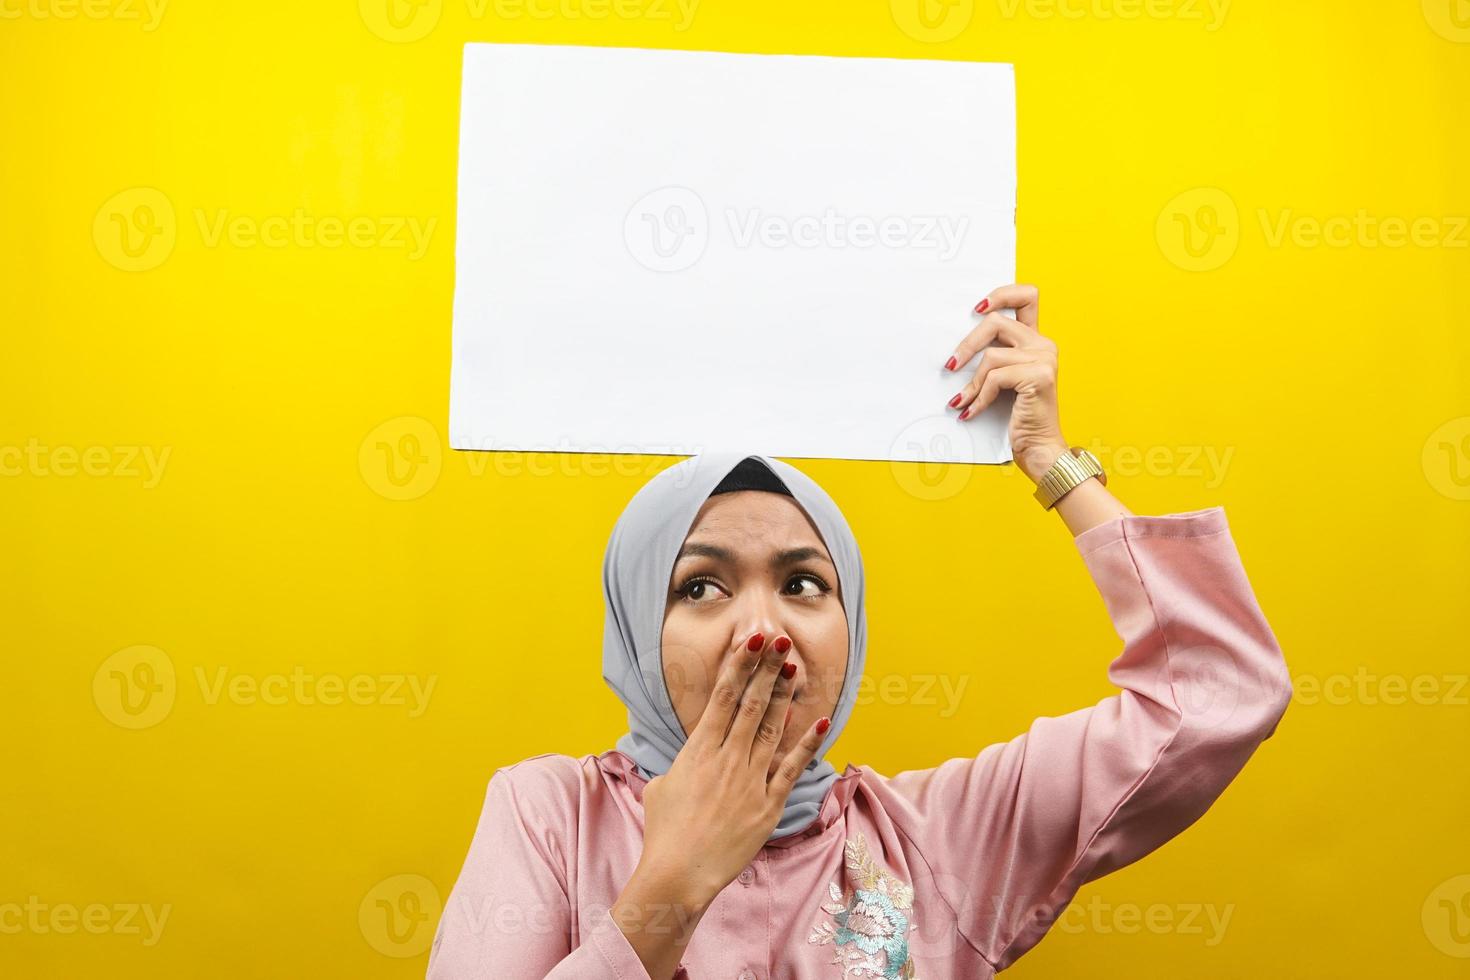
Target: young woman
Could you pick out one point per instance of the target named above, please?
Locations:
(714, 841)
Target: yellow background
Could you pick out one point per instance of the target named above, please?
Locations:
(1330, 379)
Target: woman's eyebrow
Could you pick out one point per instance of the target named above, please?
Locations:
(694, 549)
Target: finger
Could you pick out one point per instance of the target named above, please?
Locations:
(990, 359)
(709, 732)
(773, 725)
(757, 695)
(994, 326)
(800, 756)
(1016, 377)
(1024, 298)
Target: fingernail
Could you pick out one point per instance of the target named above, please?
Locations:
(788, 670)
(755, 643)
(983, 306)
(951, 364)
(782, 644)
(963, 415)
(823, 725)
(954, 401)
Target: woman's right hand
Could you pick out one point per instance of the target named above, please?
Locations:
(709, 815)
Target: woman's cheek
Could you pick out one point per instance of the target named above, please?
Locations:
(682, 672)
(832, 662)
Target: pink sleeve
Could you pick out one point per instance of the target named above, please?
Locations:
(1014, 832)
(508, 915)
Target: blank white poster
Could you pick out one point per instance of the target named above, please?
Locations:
(674, 252)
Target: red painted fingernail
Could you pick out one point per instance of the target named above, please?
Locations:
(984, 305)
(755, 643)
(964, 415)
(823, 725)
(788, 670)
(951, 364)
(782, 644)
(954, 401)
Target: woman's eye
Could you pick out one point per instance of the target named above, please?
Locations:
(698, 590)
(818, 586)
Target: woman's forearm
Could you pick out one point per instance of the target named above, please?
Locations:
(1089, 504)
(658, 916)
(1083, 507)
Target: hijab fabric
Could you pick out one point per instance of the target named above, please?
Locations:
(635, 581)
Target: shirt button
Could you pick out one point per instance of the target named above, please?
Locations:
(746, 975)
(746, 877)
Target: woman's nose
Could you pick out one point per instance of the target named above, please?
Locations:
(768, 635)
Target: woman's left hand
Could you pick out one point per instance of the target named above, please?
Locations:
(1027, 365)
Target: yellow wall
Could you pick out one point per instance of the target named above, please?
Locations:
(194, 485)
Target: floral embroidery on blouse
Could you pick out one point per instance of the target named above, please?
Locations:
(869, 928)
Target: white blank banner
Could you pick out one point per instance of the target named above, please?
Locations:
(674, 252)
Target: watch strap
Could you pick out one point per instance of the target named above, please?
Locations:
(1070, 469)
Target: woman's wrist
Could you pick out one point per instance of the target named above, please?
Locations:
(1083, 507)
(658, 911)
(1035, 460)
(678, 893)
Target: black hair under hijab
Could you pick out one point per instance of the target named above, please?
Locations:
(751, 474)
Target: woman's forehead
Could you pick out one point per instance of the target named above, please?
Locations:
(755, 519)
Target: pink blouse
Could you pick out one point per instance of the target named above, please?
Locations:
(953, 871)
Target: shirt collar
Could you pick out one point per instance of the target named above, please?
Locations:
(616, 763)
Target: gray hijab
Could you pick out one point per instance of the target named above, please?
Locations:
(635, 580)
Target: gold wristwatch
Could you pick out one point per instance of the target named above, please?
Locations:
(1070, 469)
